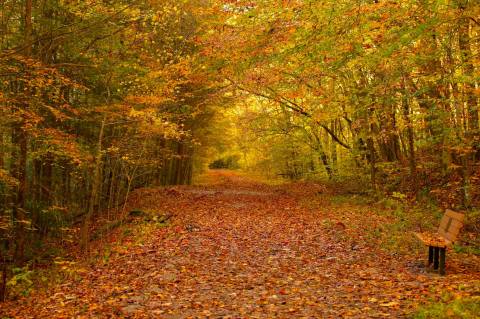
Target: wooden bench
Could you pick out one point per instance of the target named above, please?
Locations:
(445, 236)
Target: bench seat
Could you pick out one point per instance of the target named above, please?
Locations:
(446, 235)
(433, 240)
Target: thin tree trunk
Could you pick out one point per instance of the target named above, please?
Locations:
(470, 102)
(85, 235)
(410, 135)
(373, 160)
(323, 156)
(3, 279)
(333, 149)
(20, 138)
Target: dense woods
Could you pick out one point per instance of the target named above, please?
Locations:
(99, 98)
(342, 90)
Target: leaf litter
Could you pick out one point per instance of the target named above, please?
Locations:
(242, 249)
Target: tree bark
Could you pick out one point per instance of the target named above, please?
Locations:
(410, 134)
(85, 235)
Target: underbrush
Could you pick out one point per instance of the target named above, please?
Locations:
(110, 240)
(420, 216)
(352, 199)
(406, 217)
(25, 280)
(463, 308)
(388, 221)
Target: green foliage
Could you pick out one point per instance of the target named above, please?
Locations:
(352, 199)
(20, 283)
(404, 218)
(473, 250)
(463, 308)
(471, 241)
(107, 252)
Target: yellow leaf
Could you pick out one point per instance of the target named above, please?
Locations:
(389, 304)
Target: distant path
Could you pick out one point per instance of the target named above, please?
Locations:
(242, 249)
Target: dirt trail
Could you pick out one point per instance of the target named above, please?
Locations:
(239, 249)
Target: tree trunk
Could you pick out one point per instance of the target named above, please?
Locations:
(373, 160)
(466, 56)
(470, 103)
(333, 149)
(20, 138)
(322, 155)
(19, 170)
(3, 278)
(85, 235)
(410, 134)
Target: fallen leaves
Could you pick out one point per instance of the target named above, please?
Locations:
(237, 252)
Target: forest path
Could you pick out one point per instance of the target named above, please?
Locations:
(240, 249)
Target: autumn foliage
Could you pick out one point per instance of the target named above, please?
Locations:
(100, 100)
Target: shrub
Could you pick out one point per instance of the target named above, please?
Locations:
(228, 162)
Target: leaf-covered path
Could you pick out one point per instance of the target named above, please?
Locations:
(239, 249)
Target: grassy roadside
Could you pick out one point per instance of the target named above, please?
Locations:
(68, 267)
(386, 224)
(465, 308)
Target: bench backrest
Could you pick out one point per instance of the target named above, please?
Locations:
(450, 225)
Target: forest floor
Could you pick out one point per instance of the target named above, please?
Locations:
(238, 248)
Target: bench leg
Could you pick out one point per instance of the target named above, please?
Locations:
(430, 256)
(435, 258)
(442, 261)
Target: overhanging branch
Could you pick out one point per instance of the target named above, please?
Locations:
(294, 107)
